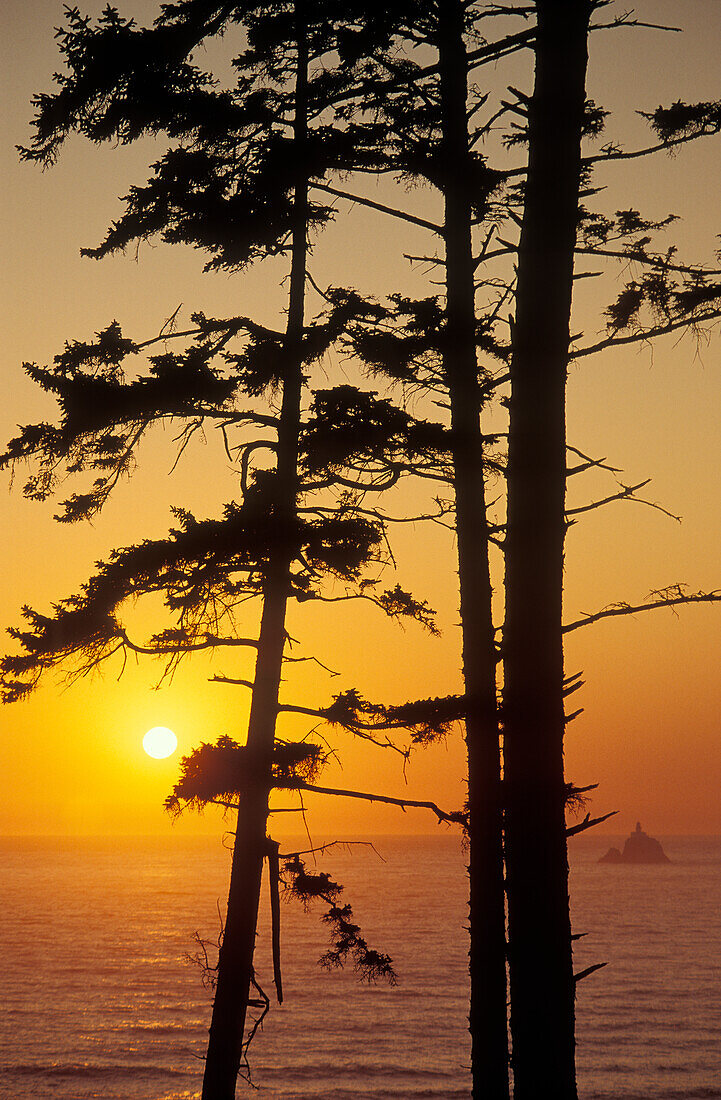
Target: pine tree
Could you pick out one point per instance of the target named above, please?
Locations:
(541, 966)
(536, 792)
(236, 185)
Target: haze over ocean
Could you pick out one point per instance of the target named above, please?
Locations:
(99, 1002)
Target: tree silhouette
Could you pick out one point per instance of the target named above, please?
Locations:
(671, 296)
(541, 966)
(237, 187)
(318, 97)
(541, 971)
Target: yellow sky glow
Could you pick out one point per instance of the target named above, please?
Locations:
(72, 756)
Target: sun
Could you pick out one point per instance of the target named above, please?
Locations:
(160, 742)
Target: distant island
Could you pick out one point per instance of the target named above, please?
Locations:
(639, 848)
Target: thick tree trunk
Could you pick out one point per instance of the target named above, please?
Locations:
(235, 961)
(541, 972)
(487, 954)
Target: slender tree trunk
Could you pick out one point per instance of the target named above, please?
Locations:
(235, 961)
(487, 954)
(541, 970)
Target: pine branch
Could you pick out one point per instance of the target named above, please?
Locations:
(639, 256)
(649, 150)
(647, 335)
(363, 731)
(181, 647)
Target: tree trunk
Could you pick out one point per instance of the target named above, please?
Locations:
(488, 1023)
(235, 961)
(541, 971)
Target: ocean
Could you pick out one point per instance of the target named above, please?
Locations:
(99, 1001)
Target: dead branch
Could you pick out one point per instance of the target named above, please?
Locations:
(588, 823)
(315, 660)
(625, 20)
(626, 492)
(589, 970)
(588, 463)
(379, 206)
(274, 880)
(404, 803)
(231, 680)
(673, 596)
(263, 1003)
(347, 844)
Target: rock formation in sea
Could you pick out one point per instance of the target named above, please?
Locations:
(639, 848)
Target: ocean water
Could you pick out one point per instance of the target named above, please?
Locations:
(98, 1001)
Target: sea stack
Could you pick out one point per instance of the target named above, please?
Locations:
(639, 848)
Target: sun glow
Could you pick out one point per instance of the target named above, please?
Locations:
(160, 742)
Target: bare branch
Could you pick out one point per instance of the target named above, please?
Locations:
(454, 817)
(393, 211)
(346, 844)
(231, 680)
(673, 596)
(274, 878)
(588, 823)
(626, 492)
(315, 660)
(625, 20)
(495, 51)
(588, 463)
(589, 970)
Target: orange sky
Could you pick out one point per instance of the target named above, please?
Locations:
(72, 759)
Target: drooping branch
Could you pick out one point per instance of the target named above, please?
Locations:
(347, 941)
(395, 602)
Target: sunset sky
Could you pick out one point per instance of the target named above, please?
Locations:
(72, 759)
